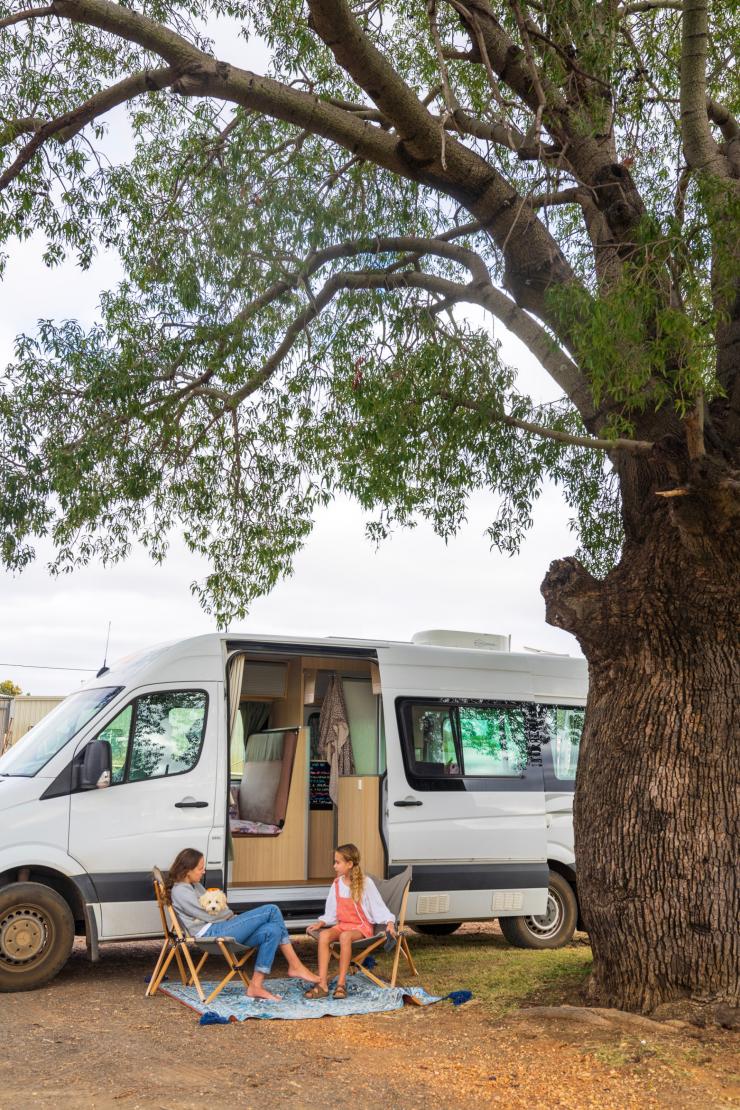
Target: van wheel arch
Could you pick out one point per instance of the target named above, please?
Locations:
(568, 872)
(56, 880)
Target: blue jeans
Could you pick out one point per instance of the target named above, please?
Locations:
(262, 928)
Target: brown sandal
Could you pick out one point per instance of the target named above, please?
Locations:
(316, 992)
(340, 992)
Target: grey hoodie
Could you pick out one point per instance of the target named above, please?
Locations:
(189, 910)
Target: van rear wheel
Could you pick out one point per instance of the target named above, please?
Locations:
(37, 931)
(437, 928)
(552, 929)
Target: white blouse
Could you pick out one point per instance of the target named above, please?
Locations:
(373, 906)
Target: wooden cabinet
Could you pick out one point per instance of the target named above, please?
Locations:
(358, 820)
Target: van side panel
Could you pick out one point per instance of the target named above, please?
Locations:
(479, 851)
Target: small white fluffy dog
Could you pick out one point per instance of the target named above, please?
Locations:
(213, 900)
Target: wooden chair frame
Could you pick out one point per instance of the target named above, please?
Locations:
(371, 944)
(178, 945)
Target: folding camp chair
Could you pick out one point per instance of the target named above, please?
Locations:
(178, 944)
(395, 894)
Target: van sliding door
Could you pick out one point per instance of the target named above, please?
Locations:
(466, 801)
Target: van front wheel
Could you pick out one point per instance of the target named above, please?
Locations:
(37, 931)
(552, 929)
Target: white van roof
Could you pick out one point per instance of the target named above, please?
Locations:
(203, 657)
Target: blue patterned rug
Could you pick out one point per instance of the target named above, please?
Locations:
(363, 997)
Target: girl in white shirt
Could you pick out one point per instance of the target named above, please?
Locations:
(352, 909)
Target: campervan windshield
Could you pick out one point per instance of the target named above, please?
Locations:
(34, 750)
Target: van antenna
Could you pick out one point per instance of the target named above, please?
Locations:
(105, 668)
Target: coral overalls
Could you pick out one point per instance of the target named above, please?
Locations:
(350, 915)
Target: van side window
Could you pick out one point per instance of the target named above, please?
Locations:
(564, 726)
(471, 744)
(157, 735)
(117, 734)
(494, 740)
(435, 752)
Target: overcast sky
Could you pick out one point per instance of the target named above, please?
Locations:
(341, 585)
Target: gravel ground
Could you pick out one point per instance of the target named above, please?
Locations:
(91, 1038)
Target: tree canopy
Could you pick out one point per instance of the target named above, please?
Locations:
(295, 246)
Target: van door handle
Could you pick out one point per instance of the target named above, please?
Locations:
(409, 802)
(190, 803)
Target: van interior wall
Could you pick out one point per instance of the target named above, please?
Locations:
(303, 849)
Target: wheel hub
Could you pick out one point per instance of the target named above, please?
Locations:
(545, 925)
(24, 935)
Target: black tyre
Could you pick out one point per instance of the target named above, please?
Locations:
(437, 928)
(552, 929)
(36, 935)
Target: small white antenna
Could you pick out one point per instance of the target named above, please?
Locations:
(105, 667)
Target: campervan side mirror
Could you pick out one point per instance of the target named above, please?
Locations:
(97, 765)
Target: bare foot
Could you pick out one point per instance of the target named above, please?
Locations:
(260, 992)
(301, 972)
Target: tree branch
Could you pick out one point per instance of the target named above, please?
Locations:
(632, 446)
(368, 280)
(204, 76)
(29, 13)
(64, 127)
(565, 196)
(504, 134)
(649, 6)
(724, 119)
(589, 157)
(335, 24)
(730, 129)
(700, 148)
(480, 291)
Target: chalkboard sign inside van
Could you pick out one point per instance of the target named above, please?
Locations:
(319, 785)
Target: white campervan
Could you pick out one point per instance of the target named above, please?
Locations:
(460, 761)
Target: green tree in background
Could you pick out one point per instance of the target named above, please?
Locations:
(295, 247)
(8, 687)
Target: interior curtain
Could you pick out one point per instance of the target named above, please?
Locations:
(255, 714)
(335, 745)
(236, 676)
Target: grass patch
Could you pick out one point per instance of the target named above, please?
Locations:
(500, 976)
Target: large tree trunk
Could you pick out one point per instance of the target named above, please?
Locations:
(657, 813)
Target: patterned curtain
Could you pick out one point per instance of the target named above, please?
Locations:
(335, 745)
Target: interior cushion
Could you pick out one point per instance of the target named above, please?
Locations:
(257, 791)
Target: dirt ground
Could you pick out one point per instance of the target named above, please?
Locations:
(92, 1039)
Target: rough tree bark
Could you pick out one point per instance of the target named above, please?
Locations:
(657, 819)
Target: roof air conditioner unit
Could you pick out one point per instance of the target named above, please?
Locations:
(447, 637)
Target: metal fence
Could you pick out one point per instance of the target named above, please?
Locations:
(5, 707)
(18, 715)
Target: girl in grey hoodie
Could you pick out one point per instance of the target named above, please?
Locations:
(262, 928)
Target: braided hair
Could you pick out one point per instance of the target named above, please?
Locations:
(351, 853)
